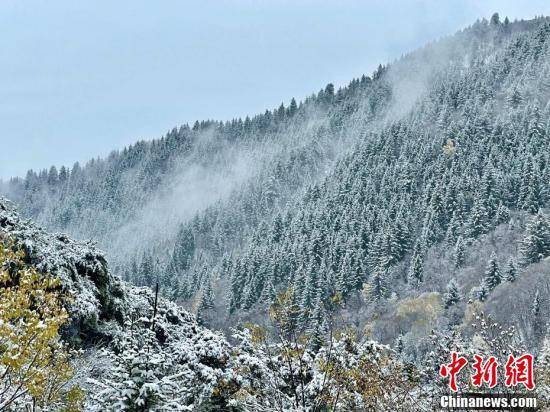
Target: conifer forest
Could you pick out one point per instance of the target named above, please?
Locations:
(329, 254)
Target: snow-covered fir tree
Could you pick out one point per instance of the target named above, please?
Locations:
(452, 293)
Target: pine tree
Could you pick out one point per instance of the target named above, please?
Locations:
(510, 273)
(452, 294)
(416, 268)
(63, 175)
(238, 280)
(492, 273)
(530, 189)
(133, 272)
(309, 292)
(269, 293)
(277, 230)
(206, 304)
(536, 244)
(53, 177)
(502, 215)
(431, 230)
(317, 324)
(184, 249)
(535, 308)
(379, 285)
(146, 270)
(375, 253)
(293, 108)
(488, 192)
(459, 253)
(482, 292)
(248, 299)
(478, 223)
(340, 282)
(388, 252)
(402, 236)
(453, 229)
(280, 113)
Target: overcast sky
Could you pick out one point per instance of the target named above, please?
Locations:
(81, 78)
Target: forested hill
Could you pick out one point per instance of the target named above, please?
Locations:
(390, 186)
(257, 163)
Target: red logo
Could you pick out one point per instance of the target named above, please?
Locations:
(518, 370)
(485, 372)
(452, 369)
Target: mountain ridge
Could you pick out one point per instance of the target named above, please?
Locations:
(405, 208)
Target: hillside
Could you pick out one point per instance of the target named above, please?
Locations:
(244, 170)
(404, 206)
(132, 352)
(389, 194)
(109, 316)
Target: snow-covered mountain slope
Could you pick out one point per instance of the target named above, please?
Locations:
(352, 188)
(110, 317)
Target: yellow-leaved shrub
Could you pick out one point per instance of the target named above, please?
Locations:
(34, 362)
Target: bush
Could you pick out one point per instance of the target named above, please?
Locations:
(34, 362)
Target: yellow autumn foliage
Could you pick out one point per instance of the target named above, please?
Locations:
(34, 363)
(449, 148)
(420, 313)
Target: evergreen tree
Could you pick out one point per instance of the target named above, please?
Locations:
(452, 294)
(134, 272)
(277, 230)
(146, 271)
(482, 292)
(317, 327)
(184, 249)
(530, 188)
(379, 285)
(478, 223)
(63, 175)
(206, 304)
(53, 177)
(269, 293)
(510, 273)
(309, 293)
(453, 229)
(535, 309)
(416, 268)
(293, 108)
(536, 244)
(238, 280)
(492, 273)
(502, 215)
(459, 253)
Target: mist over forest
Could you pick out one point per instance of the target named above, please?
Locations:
(393, 220)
